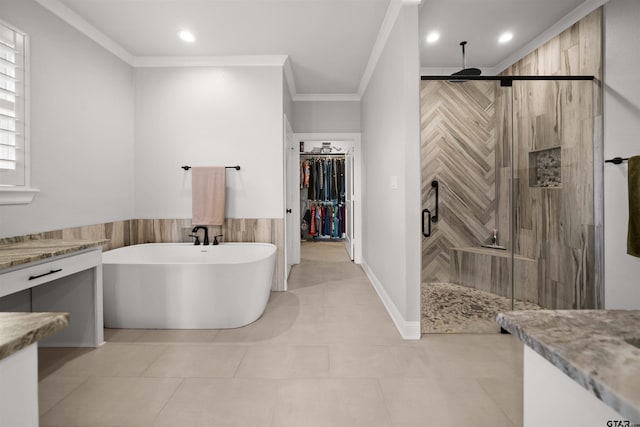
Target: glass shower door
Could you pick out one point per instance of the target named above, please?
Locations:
(557, 174)
(466, 162)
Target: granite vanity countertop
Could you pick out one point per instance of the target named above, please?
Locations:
(18, 330)
(591, 347)
(12, 254)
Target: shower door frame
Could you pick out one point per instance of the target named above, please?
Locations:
(598, 159)
(507, 81)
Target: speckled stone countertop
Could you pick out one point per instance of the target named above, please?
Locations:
(12, 254)
(18, 330)
(591, 347)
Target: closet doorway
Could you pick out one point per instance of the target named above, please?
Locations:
(338, 199)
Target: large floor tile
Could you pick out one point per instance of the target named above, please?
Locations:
(290, 315)
(315, 295)
(51, 359)
(374, 315)
(355, 294)
(470, 356)
(52, 390)
(306, 332)
(285, 361)
(375, 361)
(306, 275)
(318, 251)
(112, 402)
(441, 403)
(362, 332)
(221, 402)
(331, 403)
(508, 396)
(112, 360)
(266, 330)
(197, 360)
(176, 336)
(122, 335)
(325, 353)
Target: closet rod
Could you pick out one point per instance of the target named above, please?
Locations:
(226, 167)
(322, 154)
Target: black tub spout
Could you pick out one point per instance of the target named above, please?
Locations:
(206, 234)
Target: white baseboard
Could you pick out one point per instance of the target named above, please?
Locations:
(408, 330)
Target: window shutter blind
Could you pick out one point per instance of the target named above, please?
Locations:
(12, 107)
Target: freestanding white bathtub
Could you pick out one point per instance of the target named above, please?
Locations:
(183, 286)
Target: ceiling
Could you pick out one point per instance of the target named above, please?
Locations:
(480, 22)
(328, 42)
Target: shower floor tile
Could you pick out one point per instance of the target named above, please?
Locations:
(451, 308)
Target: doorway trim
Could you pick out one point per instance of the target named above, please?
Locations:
(355, 139)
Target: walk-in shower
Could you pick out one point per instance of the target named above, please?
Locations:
(518, 162)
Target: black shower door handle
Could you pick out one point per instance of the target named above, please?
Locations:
(435, 186)
(428, 212)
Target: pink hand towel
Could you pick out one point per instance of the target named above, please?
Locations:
(208, 195)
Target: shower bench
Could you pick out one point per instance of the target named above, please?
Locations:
(489, 270)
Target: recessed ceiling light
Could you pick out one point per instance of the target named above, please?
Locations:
(433, 37)
(505, 37)
(187, 36)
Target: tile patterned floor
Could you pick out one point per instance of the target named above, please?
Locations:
(451, 308)
(323, 354)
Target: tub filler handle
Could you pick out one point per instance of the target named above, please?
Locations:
(215, 239)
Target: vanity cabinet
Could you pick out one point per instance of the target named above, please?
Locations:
(70, 282)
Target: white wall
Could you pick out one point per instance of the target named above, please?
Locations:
(82, 127)
(202, 116)
(326, 116)
(621, 139)
(391, 148)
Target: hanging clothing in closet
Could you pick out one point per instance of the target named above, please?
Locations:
(323, 178)
(326, 220)
(324, 212)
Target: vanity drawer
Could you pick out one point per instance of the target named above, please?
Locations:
(55, 268)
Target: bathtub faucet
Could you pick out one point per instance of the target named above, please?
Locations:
(215, 239)
(206, 234)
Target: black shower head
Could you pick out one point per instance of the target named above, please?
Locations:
(466, 71)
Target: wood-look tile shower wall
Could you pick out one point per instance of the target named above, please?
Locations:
(466, 143)
(136, 231)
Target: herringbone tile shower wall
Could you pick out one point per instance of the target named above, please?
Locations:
(458, 150)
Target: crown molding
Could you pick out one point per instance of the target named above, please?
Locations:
(383, 35)
(565, 22)
(289, 79)
(302, 97)
(80, 24)
(210, 61)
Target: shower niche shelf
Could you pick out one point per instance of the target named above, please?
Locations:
(545, 168)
